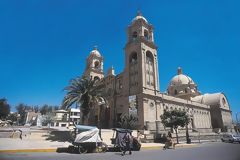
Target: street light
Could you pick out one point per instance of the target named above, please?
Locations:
(187, 133)
(237, 117)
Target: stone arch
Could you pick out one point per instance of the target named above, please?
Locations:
(133, 57)
(149, 56)
(96, 64)
(134, 35)
(146, 34)
(96, 78)
(150, 70)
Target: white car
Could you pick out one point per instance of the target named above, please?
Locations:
(231, 138)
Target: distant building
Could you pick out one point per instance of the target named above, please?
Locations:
(61, 118)
(74, 115)
(31, 117)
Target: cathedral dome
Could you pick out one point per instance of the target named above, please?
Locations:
(182, 86)
(95, 52)
(138, 17)
(181, 79)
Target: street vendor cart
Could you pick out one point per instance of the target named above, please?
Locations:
(88, 140)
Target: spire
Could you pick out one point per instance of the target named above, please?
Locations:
(179, 70)
(139, 13)
(95, 47)
(111, 71)
(139, 16)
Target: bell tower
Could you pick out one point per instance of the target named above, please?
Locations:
(94, 68)
(141, 64)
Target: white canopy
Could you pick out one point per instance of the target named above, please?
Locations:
(88, 136)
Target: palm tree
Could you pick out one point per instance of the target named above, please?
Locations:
(84, 93)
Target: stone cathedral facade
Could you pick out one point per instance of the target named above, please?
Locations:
(137, 89)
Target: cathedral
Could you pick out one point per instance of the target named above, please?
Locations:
(136, 90)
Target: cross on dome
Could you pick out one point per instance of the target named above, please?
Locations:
(95, 47)
(139, 13)
(95, 52)
(139, 16)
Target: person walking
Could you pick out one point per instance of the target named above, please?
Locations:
(169, 141)
(128, 144)
(20, 136)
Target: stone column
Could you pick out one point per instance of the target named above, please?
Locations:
(159, 126)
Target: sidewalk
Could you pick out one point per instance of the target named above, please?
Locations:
(28, 145)
(10, 145)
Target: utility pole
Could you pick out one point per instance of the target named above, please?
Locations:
(237, 117)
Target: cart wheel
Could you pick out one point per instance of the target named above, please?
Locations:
(71, 149)
(82, 150)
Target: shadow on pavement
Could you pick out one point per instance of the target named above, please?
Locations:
(69, 149)
(62, 150)
(74, 150)
(60, 136)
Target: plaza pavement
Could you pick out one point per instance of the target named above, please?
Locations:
(36, 140)
(10, 145)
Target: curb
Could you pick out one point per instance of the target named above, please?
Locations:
(177, 146)
(27, 150)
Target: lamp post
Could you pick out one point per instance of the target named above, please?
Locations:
(237, 127)
(237, 117)
(187, 133)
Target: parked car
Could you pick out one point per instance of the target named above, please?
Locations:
(231, 138)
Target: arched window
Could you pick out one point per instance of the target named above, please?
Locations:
(150, 68)
(134, 35)
(224, 102)
(146, 34)
(96, 78)
(151, 104)
(96, 64)
(149, 57)
(133, 57)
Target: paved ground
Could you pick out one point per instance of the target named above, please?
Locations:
(17, 144)
(210, 151)
(9, 145)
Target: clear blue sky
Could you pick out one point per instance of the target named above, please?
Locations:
(43, 44)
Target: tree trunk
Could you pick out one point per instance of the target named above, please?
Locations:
(187, 135)
(176, 134)
(86, 117)
(82, 119)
